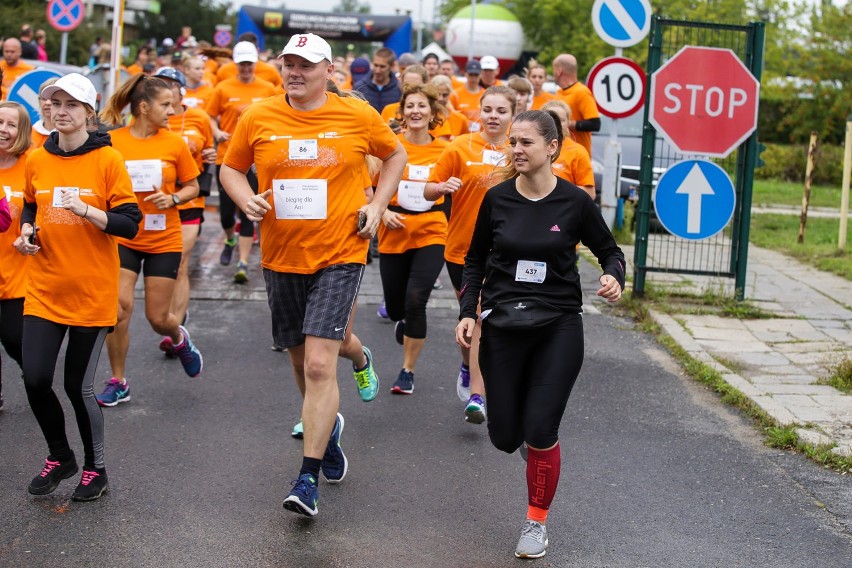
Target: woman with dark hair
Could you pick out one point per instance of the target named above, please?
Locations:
(76, 191)
(157, 161)
(522, 261)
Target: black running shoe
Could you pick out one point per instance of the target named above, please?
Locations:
(92, 485)
(51, 475)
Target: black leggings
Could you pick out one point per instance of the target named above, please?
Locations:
(528, 377)
(228, 209)
(407, 280)
(11, 329)
(42, 340)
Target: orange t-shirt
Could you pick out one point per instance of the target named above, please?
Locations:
(574, 164)
(134, 69)
(230, 99)
(538, 102)
(194, 127)
(454, 125)
(317, 161)
(466, 102)
(426, 228)
(473, 160)
(13, 265)
(12, 73)
(38, 138)
(389, 112)
(73, 280)
(164, 155)
(199, 96)
(262, 70)
(211, 66)
(583, 107)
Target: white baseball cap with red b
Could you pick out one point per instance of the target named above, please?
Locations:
(77, 86)
(310, 46)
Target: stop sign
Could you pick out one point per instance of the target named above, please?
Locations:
(704, 101)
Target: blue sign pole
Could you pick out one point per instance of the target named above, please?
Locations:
(695, 199)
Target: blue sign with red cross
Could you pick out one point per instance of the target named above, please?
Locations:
(65, 15)
(223, 38)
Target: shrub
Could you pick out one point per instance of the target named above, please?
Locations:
(788, 163)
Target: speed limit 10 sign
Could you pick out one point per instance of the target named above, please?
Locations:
(618, 85)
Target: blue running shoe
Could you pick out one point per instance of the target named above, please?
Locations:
(189, 356)
(367, 379)
(334, 462)
(474, 412)
(382, 312)
(115, 392)
(304, 496)
(404, 383)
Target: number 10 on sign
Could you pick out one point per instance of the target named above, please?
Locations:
(618, 85)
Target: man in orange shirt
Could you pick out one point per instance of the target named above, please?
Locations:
(465, 99)
(262, 69)
(310, 149)
(585, 118)
(229, 100)
(12, 66)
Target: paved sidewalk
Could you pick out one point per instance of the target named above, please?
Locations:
(777, 362)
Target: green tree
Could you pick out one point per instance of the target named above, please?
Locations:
(352, 7)
(202, 15)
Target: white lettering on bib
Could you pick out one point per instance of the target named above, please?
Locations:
(418, 173)
(155, 222)
(300, 198)
(145, 174)
(493, 157)
(530, 271)
(57, 194)
(410, 196)
(303, 149)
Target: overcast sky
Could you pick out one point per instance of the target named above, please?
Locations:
(384, 7)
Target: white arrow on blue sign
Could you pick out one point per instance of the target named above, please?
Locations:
(694, 199)
(25, 90)
(622, 23)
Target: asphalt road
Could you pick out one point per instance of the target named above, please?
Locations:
(656, 471)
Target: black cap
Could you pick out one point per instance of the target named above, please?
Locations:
(473, 67)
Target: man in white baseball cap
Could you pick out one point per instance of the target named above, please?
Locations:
(490, 71)
(310, 46)
(245, 52)
(77, 86)
(310, 150)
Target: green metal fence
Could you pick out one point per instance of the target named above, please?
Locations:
(726, 254)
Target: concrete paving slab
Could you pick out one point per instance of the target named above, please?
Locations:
(759, 360)
(711, 321)
(810, 390)
(775, 410)
(807, 347)
(813, 437)
(732, 345)
(793, 378)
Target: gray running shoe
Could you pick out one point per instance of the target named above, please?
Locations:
(533, 541)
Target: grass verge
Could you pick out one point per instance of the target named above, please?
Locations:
(775, 435)
(779, 233)
(774, 192)
(841, 377)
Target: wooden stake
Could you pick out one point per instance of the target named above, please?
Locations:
(844, 194)
(806, 196)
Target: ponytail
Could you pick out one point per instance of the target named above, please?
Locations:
(136, 90)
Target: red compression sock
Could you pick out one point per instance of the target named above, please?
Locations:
(542, 478)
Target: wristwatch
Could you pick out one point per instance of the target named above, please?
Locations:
(176, 198)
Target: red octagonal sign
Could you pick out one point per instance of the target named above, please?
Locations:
(704, 101)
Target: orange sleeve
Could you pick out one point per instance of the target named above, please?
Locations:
(587, 106)
(240, 154)
(214, 105)
(445, 168)
(187, 169)
(383, 142)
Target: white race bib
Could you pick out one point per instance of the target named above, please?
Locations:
(57, 194)
(155, 222)
(530, 271)
(418, 173)
(410, 196)
(300, 198)
(145, 174)
(493, 157)
(303, 149)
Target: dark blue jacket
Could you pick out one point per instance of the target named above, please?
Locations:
(380, 97)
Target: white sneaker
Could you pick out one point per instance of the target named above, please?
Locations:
(533, 541)
(463, 384)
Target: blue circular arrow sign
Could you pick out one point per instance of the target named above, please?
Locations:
(694, 199)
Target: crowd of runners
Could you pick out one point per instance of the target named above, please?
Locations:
(314, 156)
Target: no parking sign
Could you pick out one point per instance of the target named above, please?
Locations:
(65, 15)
